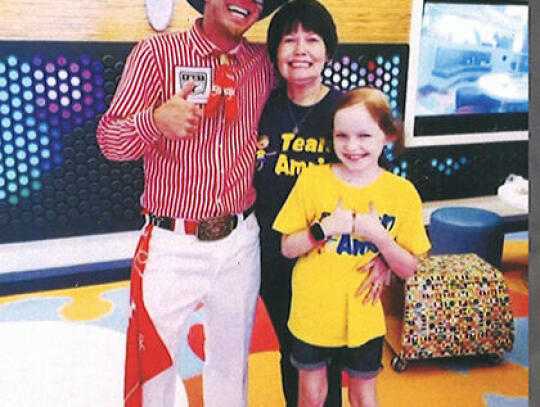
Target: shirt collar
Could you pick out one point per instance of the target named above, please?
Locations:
(205, 47)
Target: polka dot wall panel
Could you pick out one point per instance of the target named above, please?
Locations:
(383, 66)
(461, 171)
(54, 182)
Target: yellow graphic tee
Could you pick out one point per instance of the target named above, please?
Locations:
(324, 309)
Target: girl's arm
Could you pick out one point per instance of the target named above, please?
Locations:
(297, 244)
(399, 260)
(302, 242)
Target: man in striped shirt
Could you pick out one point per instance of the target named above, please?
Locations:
(200, 242)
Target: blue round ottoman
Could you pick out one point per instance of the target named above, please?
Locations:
(455, 230)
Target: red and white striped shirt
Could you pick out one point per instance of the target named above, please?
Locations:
(210, 174)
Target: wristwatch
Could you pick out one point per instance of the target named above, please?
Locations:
(317, 232)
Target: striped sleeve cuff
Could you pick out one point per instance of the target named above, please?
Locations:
(146, 126)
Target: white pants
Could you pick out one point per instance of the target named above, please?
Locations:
(182, 271)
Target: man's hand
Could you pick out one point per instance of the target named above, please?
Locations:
(177, 118)
(339, 222)
(379, 275)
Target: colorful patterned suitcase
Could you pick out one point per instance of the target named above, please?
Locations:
(454, 305)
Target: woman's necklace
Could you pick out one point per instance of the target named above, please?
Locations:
(300, 122)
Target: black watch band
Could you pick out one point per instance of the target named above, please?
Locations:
(317, 232)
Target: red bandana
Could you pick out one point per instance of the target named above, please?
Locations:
(223, 89)
(146, 354)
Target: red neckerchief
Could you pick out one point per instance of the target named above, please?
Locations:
(223, 89)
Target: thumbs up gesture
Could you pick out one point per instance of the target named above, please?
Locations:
(177, 118)
(368, 224)
(339, 222)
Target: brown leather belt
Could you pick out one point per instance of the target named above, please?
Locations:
(205, 229)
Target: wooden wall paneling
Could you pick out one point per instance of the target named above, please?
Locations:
(384, 21)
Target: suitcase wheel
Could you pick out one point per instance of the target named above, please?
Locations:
(398, 364)
(495, 358)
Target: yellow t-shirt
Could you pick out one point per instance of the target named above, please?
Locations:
(324, 309)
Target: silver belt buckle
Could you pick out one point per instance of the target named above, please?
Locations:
(215, 228)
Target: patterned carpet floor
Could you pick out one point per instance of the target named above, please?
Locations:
(66, 348)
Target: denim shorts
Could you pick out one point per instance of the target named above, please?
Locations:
(361, 362)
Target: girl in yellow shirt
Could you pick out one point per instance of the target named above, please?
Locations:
(337, 218)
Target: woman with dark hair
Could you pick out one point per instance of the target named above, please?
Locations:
(301, 39)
